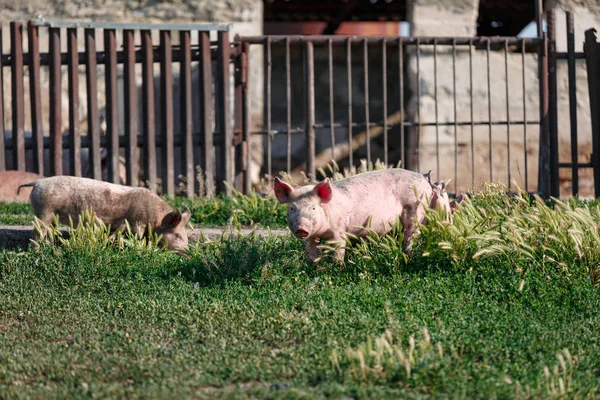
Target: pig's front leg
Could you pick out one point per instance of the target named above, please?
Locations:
(312, 252)
(339, 243)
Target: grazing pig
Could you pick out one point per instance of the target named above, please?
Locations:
(9, 183)
(68, 196)
(329, 211)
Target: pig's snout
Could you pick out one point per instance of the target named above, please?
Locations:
(301, 233)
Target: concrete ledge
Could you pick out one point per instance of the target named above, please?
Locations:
(15, 237)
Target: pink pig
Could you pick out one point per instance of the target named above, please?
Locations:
(329, 211)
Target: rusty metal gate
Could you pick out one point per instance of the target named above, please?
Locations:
(199, 134)
(313, 112)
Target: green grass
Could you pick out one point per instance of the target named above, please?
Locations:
(220, 211)
(247, 317)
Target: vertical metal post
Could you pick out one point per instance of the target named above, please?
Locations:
(331, 115)
(148, 110)
(401, 94)
(471, 109)
(366, 80)
(241, 117)
(73, 77)
(592, 59)
(206, 111)
(507, 111)
(544, 184)
(435, 97)
(56, 153)
(93, 123)
(309, 109)
(267, 105)
(553, 105)
(131, 114)
(112, 117)
(384, 95)
(246, 120)
(349, 69)
(35, 97)
(18, 102)
(166, 91)
(455, 116)
(524, 115)
(572, 101)
(489, 92)
(224, 162)
(187, 141)
(2, 147)
(288, 94)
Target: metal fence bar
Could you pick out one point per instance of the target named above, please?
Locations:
(507, 112)
(267, 106)
(2, 149)
(73, 78)
(18, 102)
(166, 106)
(206, 112)
(349, 70)
(331, 118)
(246, 117)
(366, 80)
(418, 138)
(131, 127)
(407, 40)
(524, 115)
(187, 148)
(288, 95)
(401, 95)
(130, 25)
(35, 100)
(489, 92)
(572, 100)
(224, 162)
(472, 117)
(239, 115)
(455, 118)
(56, 152)
(242, 118)
(544, 171)
(309, 109)
(384, 96)
(112, 117)
(93, 121)
(148, 104)
(553, 104)
(435, 96)
(592, 59)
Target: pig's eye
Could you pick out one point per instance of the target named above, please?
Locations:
(314, 208)
(291, 208)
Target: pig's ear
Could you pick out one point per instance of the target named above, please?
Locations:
(185, 214)
(171, 220)
(283, 191)
(324, 191)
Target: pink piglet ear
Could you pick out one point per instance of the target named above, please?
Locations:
(324, 191)
(283, 191)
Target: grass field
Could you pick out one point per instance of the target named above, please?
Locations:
(502, 303)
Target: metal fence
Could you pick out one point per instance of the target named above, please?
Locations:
(471, 109)
(387, 59)
(571, 57)
(208, 146)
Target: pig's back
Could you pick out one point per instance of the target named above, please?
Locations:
(394, 183)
